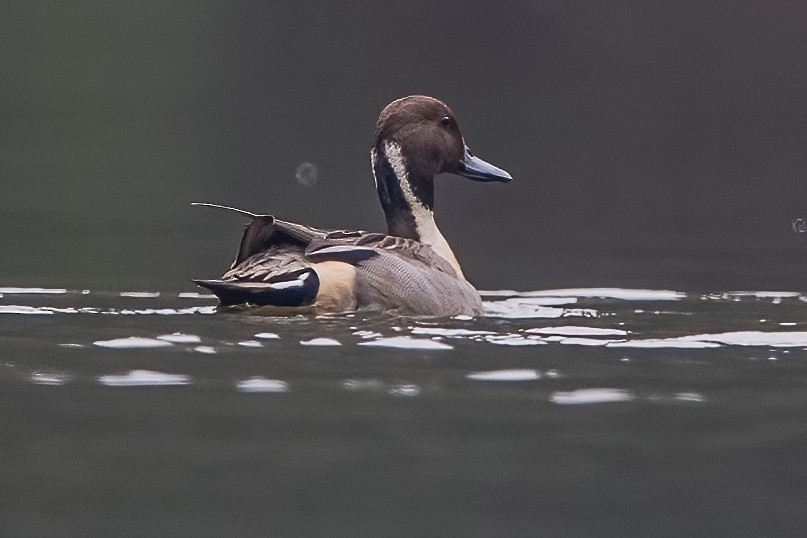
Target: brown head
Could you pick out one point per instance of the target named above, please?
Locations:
(416, 138)
(430, 139)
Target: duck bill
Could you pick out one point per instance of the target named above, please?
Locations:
(475, 168)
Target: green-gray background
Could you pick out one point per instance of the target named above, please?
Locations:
(654, 144)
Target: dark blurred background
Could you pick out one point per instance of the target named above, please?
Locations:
(654, 144)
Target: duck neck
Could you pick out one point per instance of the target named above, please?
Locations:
(408, 200)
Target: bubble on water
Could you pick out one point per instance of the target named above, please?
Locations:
(306, 174)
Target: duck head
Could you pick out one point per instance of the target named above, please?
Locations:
(416, 138)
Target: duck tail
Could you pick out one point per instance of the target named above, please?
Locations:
(299, 288)
(228, 208)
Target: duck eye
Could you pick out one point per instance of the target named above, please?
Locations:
(445, 122)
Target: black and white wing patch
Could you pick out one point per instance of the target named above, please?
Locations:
(298, 288)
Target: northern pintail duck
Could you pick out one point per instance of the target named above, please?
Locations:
(410, 270)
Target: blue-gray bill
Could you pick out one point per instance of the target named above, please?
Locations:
(477, 169)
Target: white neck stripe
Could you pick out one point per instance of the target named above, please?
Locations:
(425, 226)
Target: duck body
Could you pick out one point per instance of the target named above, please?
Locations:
(283, 264)
(411, 270)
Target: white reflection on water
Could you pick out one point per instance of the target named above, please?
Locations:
(545, 301)
(501, 314)
(568, 330)
(19, 309)
(519, 308)
(578, 341)
(404, 390)
(591, 396)
(505, 375)
(367, 334)
(737, 338)
(163, 311)
(321, 342)
(144, 378)
(132, 342)
(610, 293)
(261, 384)
(753, 338)
(757, 294)
(450, 333)
(371, 385)
(515, 310)
(49, 378)
(267, 336)
(406, 342)
(689, 397)
(515, 340)
(180, 338)
(44, 291)
(677, 343)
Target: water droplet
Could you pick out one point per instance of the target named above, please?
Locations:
(306, 174)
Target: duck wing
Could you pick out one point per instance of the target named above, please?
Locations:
(286, 264)
(270, 266)
(401, 275)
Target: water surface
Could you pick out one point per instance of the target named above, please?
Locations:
(582, 412)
